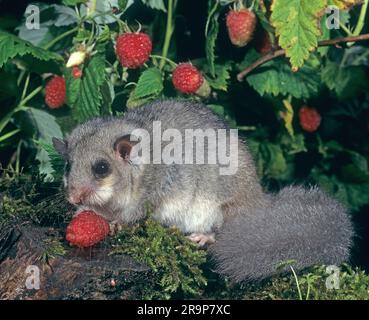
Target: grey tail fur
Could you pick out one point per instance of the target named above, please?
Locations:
(303, 225)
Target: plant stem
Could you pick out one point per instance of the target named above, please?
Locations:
(281, 52)
(62, 36)
(297, 283)
(344, 28)
(360, 24)
(21, 107)
(30, 96)
(9, 134)
(168, 34)
(165, 58)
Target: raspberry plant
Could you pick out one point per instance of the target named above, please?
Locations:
(289, 60)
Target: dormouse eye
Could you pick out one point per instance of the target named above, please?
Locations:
(101, 169)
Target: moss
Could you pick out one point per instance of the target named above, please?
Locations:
(311, 284)
(30, 198)
(176, 263)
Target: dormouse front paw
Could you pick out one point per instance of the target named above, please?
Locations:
(201, 239)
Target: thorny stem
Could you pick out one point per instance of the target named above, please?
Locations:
(281, 52)
(168, 34)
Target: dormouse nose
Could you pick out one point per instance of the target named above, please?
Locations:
(78, 195)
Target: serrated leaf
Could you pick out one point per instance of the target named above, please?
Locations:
(297, 25)
(73, 2)
(12, 46)
(344, 4)
(149, 86)
(287, 117)
(155, 4)
(350, 194)
(346, 81)
(84, 94)
(47, 128)
(221, 76)
(276, 78)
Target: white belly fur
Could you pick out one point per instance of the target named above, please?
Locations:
(189, 215)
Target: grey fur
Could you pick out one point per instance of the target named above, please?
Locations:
(255, 230)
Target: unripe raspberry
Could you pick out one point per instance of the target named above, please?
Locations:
(309, 119)
(76, 73)
(76, 58)
(187, 78)
(133, 49)
(55, 92)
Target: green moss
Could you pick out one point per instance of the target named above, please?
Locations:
(30, 198)
(353, 285)
(176, 262)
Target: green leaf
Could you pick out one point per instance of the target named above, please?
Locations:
(350, 194)
(346, 82)
(155, 4)
(149, 86)
(297, 26)
(12, 46)
(73, 2)
(276, 78)
(221, 76)
(211, 33)
(47, 128)
(84, 94)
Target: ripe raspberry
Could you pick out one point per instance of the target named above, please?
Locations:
(309, 119)
(133, 49)
(87, 229)
(186, 78)
(76, 73)
(241, 26)
(55, 92)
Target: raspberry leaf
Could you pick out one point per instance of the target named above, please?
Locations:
(46, 128)
(344, 4)
(84, 94)
(12, 46)
(276, 78)
(149, 86)
(297, 26)
(155, 4)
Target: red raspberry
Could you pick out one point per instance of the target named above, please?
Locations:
(241, 26)
(309, 119)
(186, 78)
(87, 229)
(133, 49)
(76, 73)
(55, 92)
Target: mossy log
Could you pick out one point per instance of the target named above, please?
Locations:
(76, 274)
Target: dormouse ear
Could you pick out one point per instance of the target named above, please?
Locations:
(60, 146)
(123, 146)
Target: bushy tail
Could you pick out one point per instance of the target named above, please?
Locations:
(302, 225)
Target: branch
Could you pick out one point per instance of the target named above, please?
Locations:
(281, 52)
